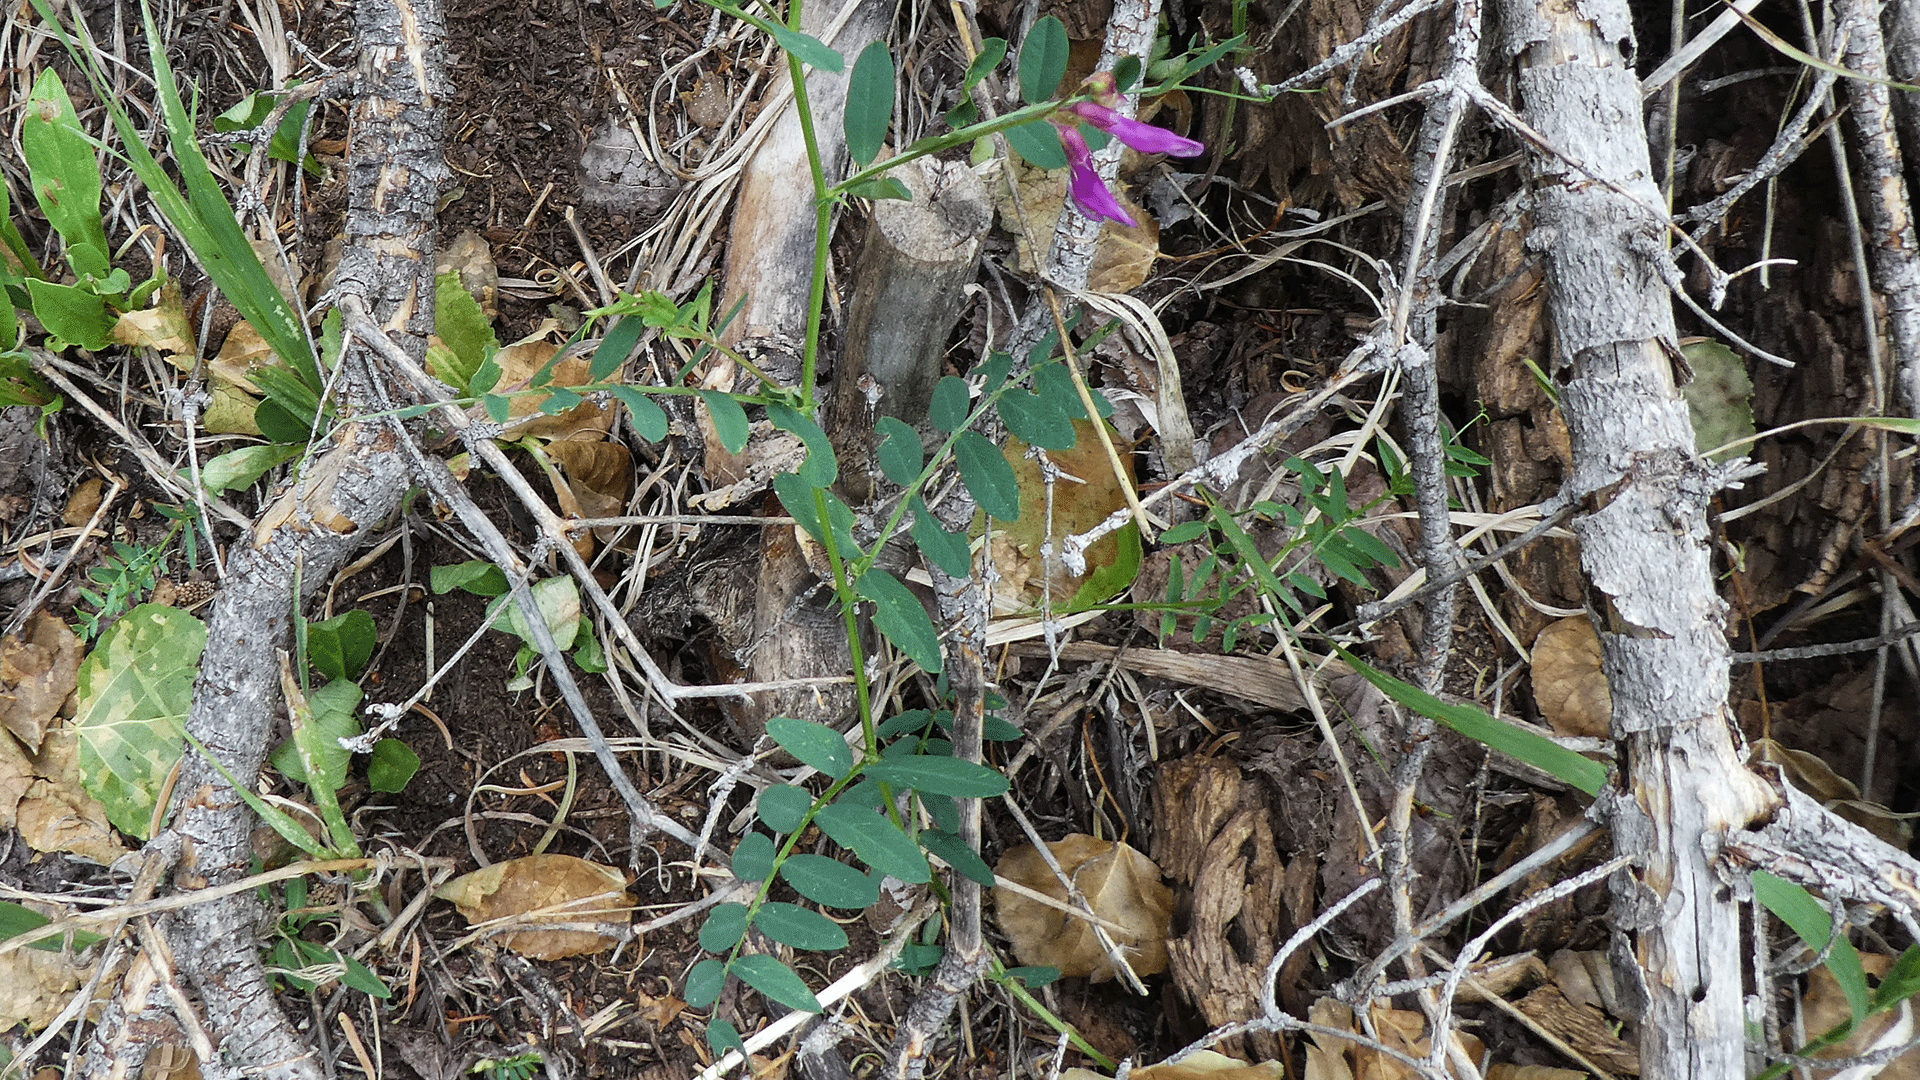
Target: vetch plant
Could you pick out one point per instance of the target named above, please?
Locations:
(1090, 192)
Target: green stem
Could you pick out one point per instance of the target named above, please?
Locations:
(934, 144)
(1021, 995)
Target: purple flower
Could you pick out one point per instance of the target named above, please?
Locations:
(1086, 187)
(1142, 137)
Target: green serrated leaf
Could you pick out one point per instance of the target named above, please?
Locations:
(830, 882)
(815, 744)
(899, 451)
(899, 615)
(869, 111)
(1043, 60)
(987, 475)
(753, 858)
(729, 420)
(941, 776)
(876, 840)
(464, 328)
(726, 926)
(802, 928)
(784, 807)
(134, 692)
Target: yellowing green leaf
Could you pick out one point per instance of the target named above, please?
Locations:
(134, 693)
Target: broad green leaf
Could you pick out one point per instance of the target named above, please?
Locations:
(72, 313)
(992, 51)
(784, 807)
(987, 475)
(1054, 383)
(499, 407)
(1126, 73)
(1536, 750)
(811, 51)
(753, 859)
(796, 497)
(722, 1036)
(877, 840)
(1036, 420)
(360, 977)
(776, 980)
(802, 928)
(464, 328)
(649, 419)
(340, 647)
(899, 615)
(880, 187)
(1043, 60)
(725, 927)
(820, 469)
(331, 716)
(729, 420)
(910, 720)
(955, 853)
(1901, 982)
(951, 552)
(830, 882)
(1805, 916)
(941, 776)
(613, 349)
(391, 766)
(899, 451)
(1038, 144)
(815, 744)
(705, 982)
(558, 600)
(65, 173)
(950, 403)
(134, 692)
(16, 919)
(240, 468)
(869, 110)
(476, 576)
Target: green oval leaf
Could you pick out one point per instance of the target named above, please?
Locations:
(899, 615)
(726, 926)
(814, 744)
(649, 420)
(992, 51)
(753, 859)
(777, 981)
(987, 475)
(869, 103)
(729, 420)
(950, 403)
(705, 982)
(830, 882)
(614, 349)
(899, 451)
(880, 187)
(802, 928)
(941, 776)
(722, 1037)
(391, 766)
(134, 692)
(1036, 420)
(951, 552)
(955, 853)
(784, 807)
(876, 840)
(340, 647)
(1043, 60)
(820, 469)
(811, 51)
(1039, 144)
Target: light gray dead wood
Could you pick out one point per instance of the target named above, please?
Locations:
(1643, 537)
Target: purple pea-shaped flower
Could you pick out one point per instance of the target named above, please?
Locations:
(1088, 191)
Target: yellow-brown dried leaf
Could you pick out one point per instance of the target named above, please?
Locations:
(1121, 886)
(39, 667)
(1205, 1065)
(547, 889)
(1568, 683)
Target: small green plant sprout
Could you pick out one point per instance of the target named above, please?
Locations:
(517, 1067)
(558, 599)
(308, 965)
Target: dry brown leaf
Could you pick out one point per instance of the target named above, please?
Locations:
(244, 352)
(1121, 885)
(470, 256)
(1568, 684)
(519, 363)
(1205, 1065)
(35, 985)
(163, 328)
(55, 813)
(39, 668)
(1825, 1006)
(1333, 1058)
(599, 474)
(83, 503)
(1082, 498)
(1505, 1071)
(547, 889)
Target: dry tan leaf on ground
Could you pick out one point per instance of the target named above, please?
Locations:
(1121, 885)
(520, 362)
(39, 667)
(1085, 495)
(470, 256)
(83, 503)
(1532, 1072)
(163, 328)
(35, 985)
(547, 889)
(1333, 1058)
(1825, 1006)
(56, 813)
(1568, 684)
(1205, 1065)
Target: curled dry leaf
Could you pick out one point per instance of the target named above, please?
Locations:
(520, 362)
(1811, 774)
(1121, 885)
(1568, 684)
(35, 985)
(39, 667)
(1205, 1065)
(1330, 1057)
(42, 796)
(551, 890)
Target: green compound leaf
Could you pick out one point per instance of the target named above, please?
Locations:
(1536, 750)
(1039, 144)
(869, 103)
(753, 859)
(900, 616)
(877, 840)
(1043, 60)
(784, 807)
(941, 776)
(987, 475)
(899, 451)
(705, 982)
(1037, 420)
(950, 403)
(802, 928)
(729, 420)
(134, 692)
(830, 882)
(950, 552)
(726, 926)
(955, 853)
(777, 981)
(814, 744)
(649, 420)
